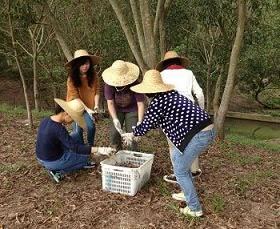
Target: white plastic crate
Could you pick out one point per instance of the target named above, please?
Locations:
(119, 179)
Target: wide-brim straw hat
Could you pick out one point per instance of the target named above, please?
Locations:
(75, 108)
(82, 53)
(172, 55)
(152, 83)
(121, 73)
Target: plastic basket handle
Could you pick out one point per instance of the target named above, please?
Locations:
(137, 155)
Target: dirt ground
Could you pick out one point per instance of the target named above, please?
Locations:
(239, 188)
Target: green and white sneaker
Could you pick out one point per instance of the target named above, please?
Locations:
(56, 176)
(188, 212)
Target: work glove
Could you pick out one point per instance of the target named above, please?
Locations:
(106, 151)
(118, 126)
(128, 138)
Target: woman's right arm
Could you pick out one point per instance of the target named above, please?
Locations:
(72, 91)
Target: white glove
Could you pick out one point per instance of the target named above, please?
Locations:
(128, 138)
(138, 123)
(107, 151)
(118, 126)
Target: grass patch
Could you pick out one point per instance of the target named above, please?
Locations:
(15, 111)
(240, 159)
(11, 168)
(243, 183)
(253, 142)
(217, 203)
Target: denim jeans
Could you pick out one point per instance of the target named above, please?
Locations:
(69, 162)
(77, 132)
(127, 119)
(195, 165)
(182, 161)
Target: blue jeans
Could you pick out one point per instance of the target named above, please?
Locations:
(181, 161)
(69, 162)
(77, 132)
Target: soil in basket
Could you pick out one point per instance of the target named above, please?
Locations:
(127, 164)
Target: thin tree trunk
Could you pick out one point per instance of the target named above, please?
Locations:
(34, 64)
(234, 58)
(216, 99)
(138, 25)
(129, 36)
(27, 104)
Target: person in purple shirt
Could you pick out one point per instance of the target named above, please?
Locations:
(126, 107)
(59, 152)
(187, 126)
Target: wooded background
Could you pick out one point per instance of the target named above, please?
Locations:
(232, 44)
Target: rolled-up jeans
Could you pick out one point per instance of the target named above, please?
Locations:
(69, 162)
(77, 132)
(182, 161)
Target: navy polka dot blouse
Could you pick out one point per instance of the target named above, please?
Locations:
(177, 116)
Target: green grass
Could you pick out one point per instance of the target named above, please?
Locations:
(15, 111)
(243, 140)
(11, 168)
(163, 188)
(243, 183)
(217, 203)
(239, 159)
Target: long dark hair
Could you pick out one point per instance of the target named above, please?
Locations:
(75, 71)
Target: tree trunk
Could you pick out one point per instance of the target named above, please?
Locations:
(234, 58)
(59, 35)
(27, 104)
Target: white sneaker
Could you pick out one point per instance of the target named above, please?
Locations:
(179, 196)
(188, 212)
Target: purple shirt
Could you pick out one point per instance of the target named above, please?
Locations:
(125, 99)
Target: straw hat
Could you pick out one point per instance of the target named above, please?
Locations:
(152, 83)
(120, 74)
(169, 55)
(81, 53)
(75, 108)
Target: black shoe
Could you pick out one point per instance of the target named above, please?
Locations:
(90, 165)
(197, 173)
(172, 178)
(56, 176)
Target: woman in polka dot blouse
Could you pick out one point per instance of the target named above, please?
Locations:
(185, 124)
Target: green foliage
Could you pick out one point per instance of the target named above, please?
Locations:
(259, 66)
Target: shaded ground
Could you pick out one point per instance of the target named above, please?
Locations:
(239, 188)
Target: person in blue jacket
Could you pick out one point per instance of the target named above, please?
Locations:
(60, 152)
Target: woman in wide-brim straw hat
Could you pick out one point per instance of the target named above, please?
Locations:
(174, 71)
(187, 126)
(126, 107)
(60, 152)
(83, 83)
